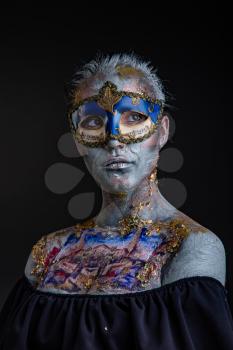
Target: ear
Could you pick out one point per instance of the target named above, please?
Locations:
(163, 131)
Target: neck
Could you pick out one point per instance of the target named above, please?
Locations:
(145, 202)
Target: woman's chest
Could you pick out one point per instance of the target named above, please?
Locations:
(99, 262)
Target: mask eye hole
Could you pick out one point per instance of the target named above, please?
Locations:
(92, 122)
(132, 118)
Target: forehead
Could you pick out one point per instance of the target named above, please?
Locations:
(132, 85)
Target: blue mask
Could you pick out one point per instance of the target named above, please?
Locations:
(123, 115)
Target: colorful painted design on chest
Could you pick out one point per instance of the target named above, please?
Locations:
(94, 262)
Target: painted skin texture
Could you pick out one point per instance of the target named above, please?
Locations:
(96, 262)
(83, 265)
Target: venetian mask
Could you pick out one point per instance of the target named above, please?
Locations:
(126, 116)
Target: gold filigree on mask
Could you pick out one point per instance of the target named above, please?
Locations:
(135, 101)
(109, 96)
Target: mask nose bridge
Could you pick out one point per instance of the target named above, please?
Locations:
(113, 122)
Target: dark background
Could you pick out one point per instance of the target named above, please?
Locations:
(192, 49)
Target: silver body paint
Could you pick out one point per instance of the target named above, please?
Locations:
(200, 254)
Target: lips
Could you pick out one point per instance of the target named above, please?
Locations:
(116, 160)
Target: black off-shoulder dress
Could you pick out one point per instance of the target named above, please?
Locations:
(191, 314)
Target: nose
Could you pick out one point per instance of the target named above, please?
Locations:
(114, 143)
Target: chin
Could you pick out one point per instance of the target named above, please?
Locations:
(117, 183)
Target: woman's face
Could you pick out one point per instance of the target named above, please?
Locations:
(141, 157)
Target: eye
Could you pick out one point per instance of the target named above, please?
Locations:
(92, 122)
(132, 118)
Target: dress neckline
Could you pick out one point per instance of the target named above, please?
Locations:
(178, 283)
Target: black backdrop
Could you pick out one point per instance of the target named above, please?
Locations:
(192, 50)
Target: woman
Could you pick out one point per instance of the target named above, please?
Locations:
(139, 275)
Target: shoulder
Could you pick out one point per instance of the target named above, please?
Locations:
(43, 251)
(201, 253)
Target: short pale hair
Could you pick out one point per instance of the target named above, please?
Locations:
(117, 68)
